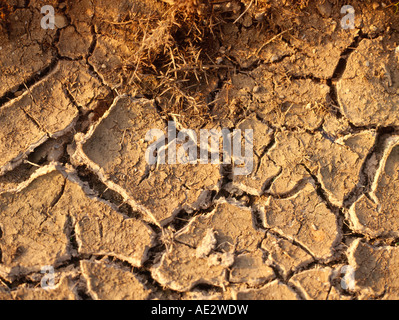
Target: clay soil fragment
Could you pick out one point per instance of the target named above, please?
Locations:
(64, 290)
(101, 230)
(304, 218)
(337, 164)
(63, 203)
(378, 214)
(302, 51)
(181, 269)
(276, 99)
(45, 111)
(314, 283)
(368, 90)
(251, 268)
(317, 49)
(263, 169)
(20, 136)
(25, 51)
(286, 102)
(284, 255)
(107, 282)
(80, 45)
(32, 236)
(375, 270)
(116, 150)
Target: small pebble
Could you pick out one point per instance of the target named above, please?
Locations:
(367, 63)
(60, 21)
(256, 89)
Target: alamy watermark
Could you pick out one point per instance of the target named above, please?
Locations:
(233, 151)
(48, 280)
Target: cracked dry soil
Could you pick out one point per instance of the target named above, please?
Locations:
(76, 192)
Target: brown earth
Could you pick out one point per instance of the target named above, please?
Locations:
(77, 194)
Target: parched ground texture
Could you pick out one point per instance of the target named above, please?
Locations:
(317, 218)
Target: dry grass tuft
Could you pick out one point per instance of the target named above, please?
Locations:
(176, 60)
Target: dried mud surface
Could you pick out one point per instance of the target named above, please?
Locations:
(76, 191)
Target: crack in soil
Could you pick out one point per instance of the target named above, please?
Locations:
(370, 164)
(32, 80)
(183, 217)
